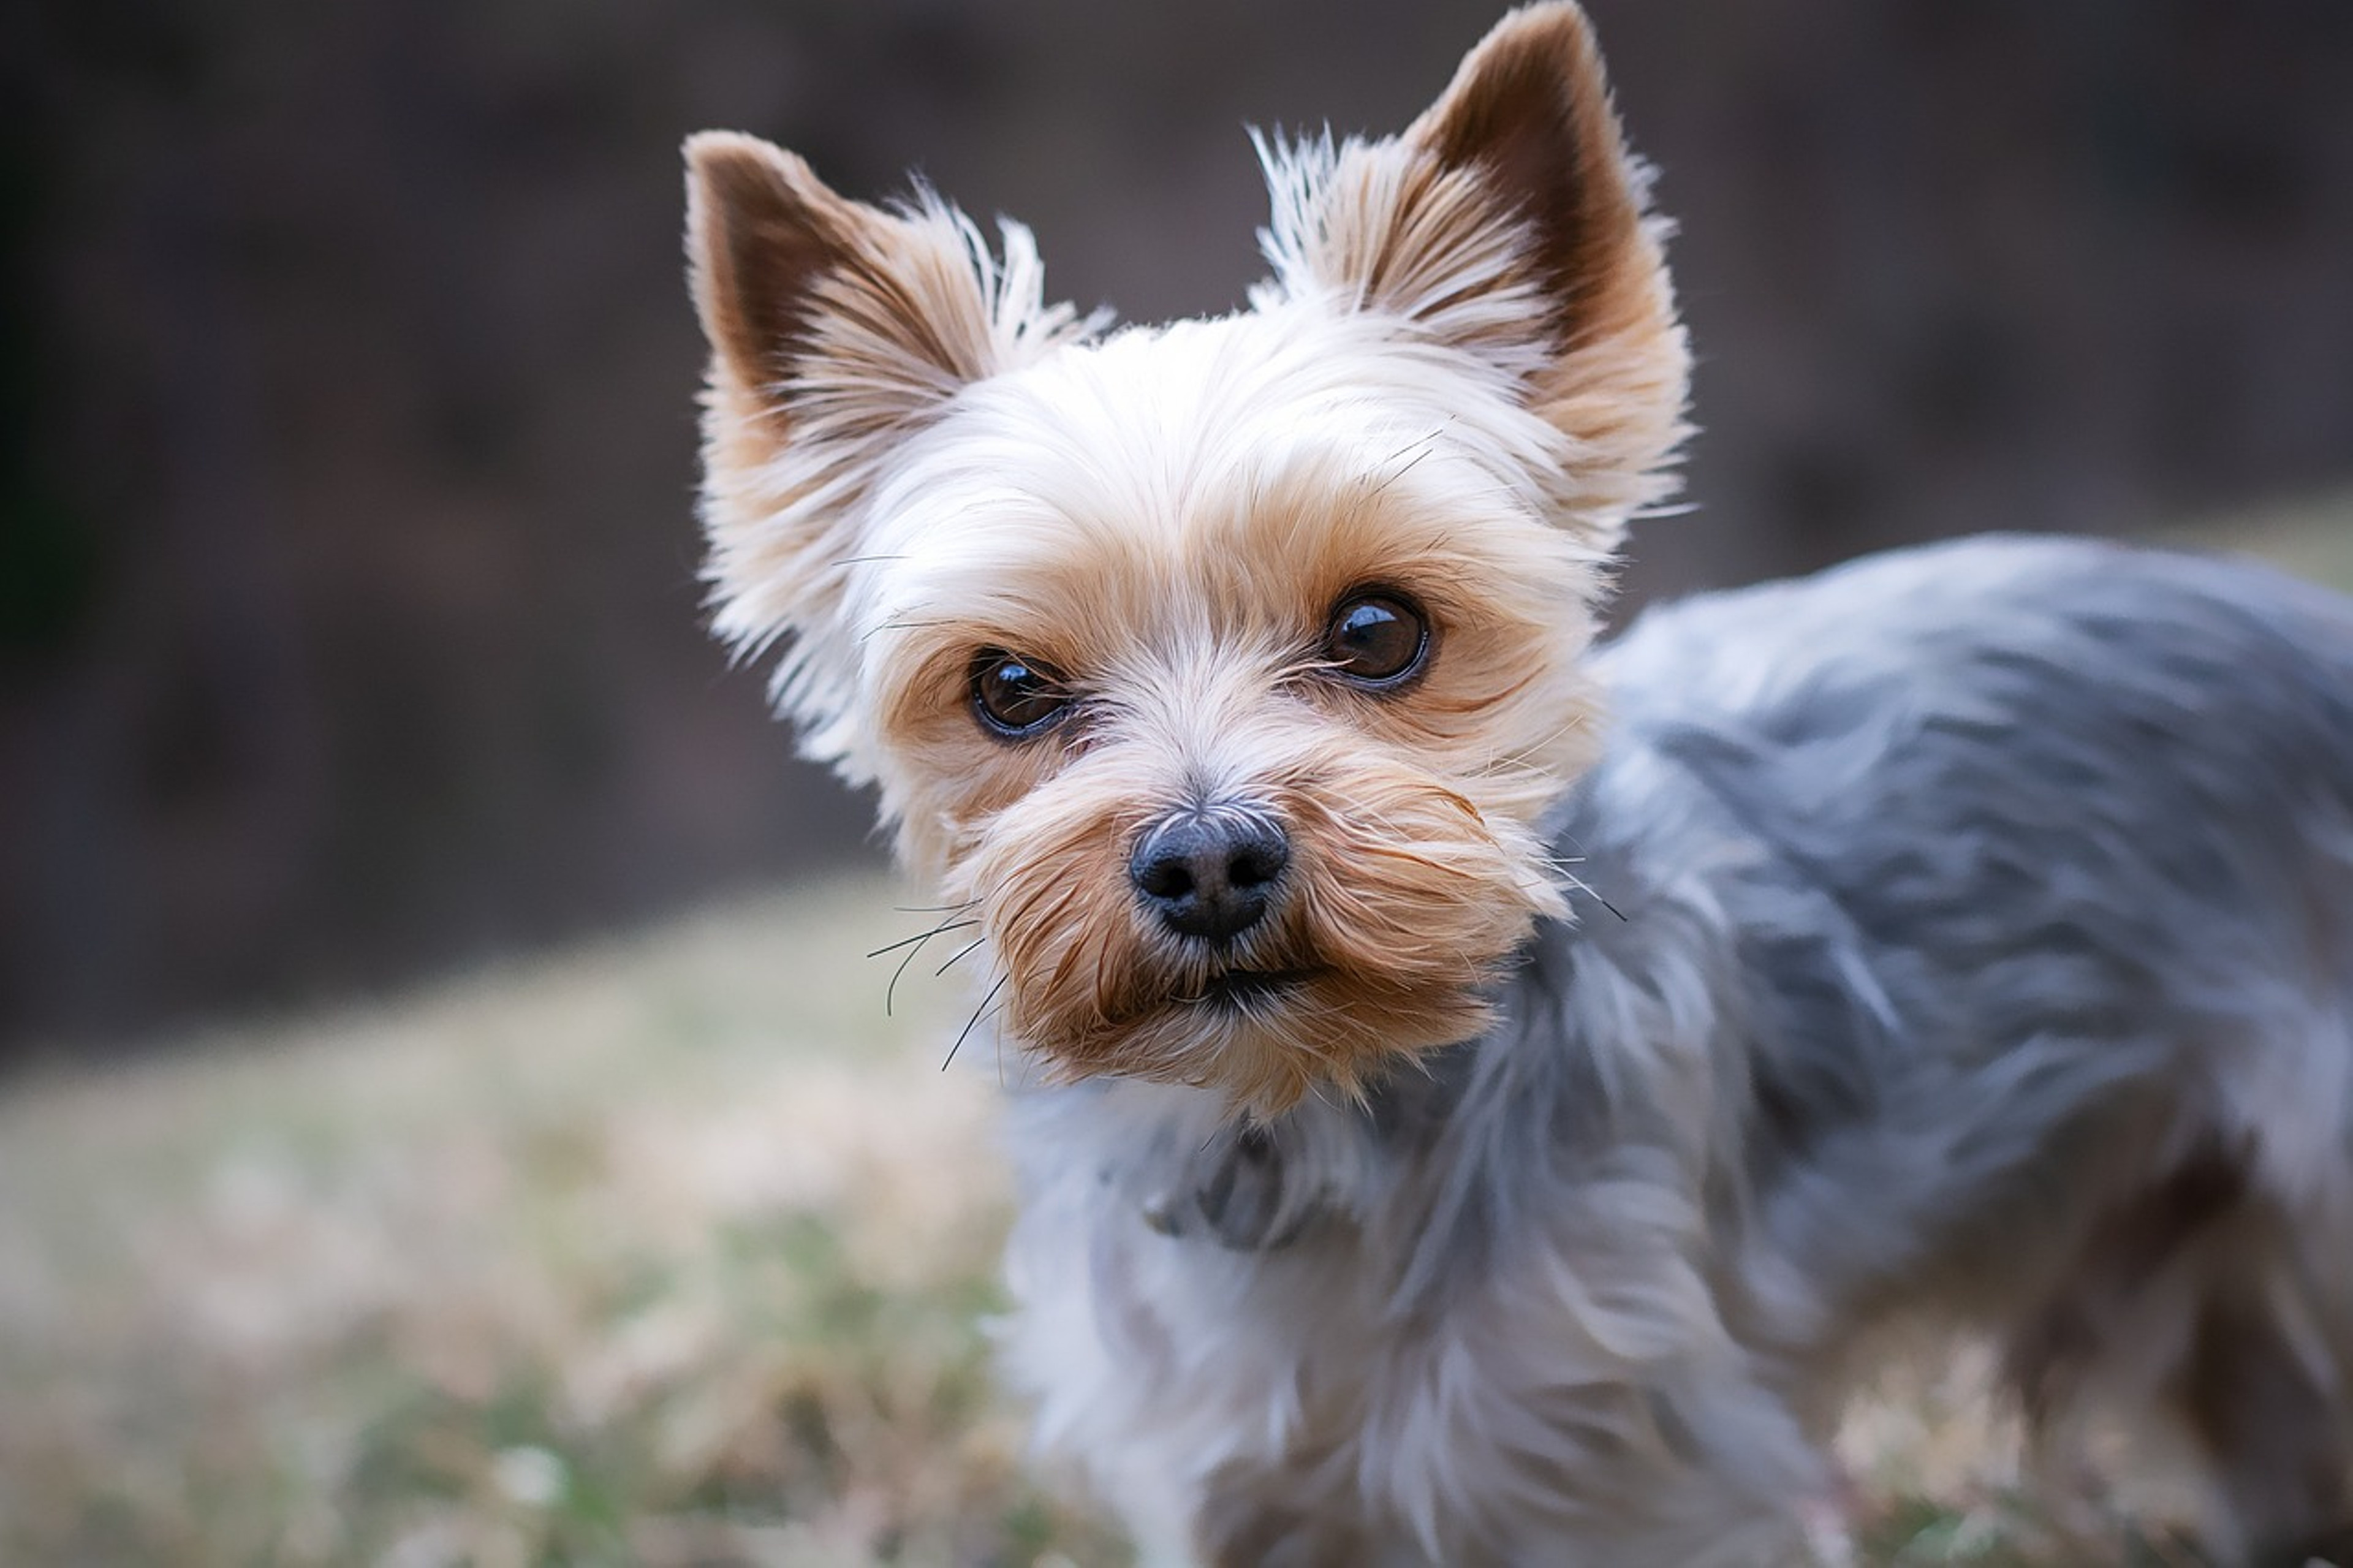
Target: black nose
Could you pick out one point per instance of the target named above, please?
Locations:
(1209, 874)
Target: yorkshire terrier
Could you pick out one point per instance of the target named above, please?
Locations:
(1486, 1093)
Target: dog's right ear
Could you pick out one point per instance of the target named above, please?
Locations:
(837, 330)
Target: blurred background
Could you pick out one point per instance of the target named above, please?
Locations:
(349, 623)
(444, 1118)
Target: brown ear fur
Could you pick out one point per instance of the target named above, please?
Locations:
(1529, 113)
(802, 291)
(1510, 220)
(761, 231)
(836, 330)
(1530, 109)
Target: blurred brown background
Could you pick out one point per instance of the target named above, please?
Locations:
(348, 616)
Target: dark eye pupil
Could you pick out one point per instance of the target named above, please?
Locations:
(1014, 695)
(1374, 638)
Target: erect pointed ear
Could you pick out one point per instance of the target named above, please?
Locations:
(761, 230)
(836, 330)
(1529, 114)
(802, 290)
(1510, 221)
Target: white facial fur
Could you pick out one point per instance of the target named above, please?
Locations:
(1462, 376)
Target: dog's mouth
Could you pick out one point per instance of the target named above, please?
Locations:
(1246, 990)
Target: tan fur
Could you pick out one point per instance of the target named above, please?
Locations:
(1504, 234)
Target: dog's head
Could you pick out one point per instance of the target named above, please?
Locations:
(1221, 668)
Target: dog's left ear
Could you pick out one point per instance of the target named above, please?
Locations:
(1510, 221)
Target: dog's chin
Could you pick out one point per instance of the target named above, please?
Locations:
(1248, 993)
(1264, 1038)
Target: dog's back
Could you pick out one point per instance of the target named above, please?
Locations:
(2037, 857)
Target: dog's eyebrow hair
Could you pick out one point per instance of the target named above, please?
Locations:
(1424, 442)
(1394, 475)
(903, 626)
(1427, 443)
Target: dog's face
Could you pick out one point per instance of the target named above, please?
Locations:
(1220, 671)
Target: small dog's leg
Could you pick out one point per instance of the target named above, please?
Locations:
(2276, 1440)
(1275, 1522)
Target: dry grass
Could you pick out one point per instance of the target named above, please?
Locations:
(670, 1251)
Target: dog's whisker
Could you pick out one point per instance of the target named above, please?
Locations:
(1530, 759)
(961, 954)
(973, 1021)
(1582, 885)
(891, 992)
(922, 937)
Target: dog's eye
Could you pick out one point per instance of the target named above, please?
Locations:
(1014, 696)
(1376, 639)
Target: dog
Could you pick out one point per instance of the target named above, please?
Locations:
(1486, 1090)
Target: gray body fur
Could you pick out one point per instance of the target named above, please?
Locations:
(1986, 954)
